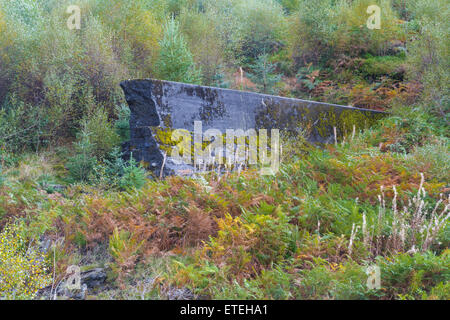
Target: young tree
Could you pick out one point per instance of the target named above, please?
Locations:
(175, 62)
(263, 74)
(82, 163)
(262, 28)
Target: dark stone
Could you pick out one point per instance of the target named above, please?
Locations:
(164, 106)
(94, 278)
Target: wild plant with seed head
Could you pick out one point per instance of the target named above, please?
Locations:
(414, 228)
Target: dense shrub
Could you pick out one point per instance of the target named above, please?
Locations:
(82, 163)
(307, 233)
(418, 276)
(290, 5)
(2, 178)
(326, 28)
(382, 66)
(429, 59)
(263, 75)
(262, 28)
(102, 134)
(134, 176)
(137, 29)
(122, 125)
(205, 40)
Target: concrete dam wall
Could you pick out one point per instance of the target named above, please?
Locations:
(158, 108)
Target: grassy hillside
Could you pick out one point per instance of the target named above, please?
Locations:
(377, 197)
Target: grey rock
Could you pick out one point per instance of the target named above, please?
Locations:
(161, 106)
(94, 278)
(180, 294)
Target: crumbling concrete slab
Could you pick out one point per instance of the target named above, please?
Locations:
(159, 107)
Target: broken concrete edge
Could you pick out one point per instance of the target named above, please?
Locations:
(125, 82)
(158, 107)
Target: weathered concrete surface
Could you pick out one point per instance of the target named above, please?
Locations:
(157, 107)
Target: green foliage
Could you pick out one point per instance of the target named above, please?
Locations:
(137, 24)
(175, 62)
(324, 29)
(55, 69)
(263, 75)
(2, 177)
(380, 66)
(206, 43)
(416, 276)
(122, 125)
(429, 58)
(236, 235)
(308, 77)
(96, 141)
(22, 267)
(134, 176)
(346, 282)
(435, 156)
(115, 173)
(275, 284)
(102, 134)
(82, 163)
(124, 249)
(415, 132)
(290, 5)
(262, 28)
(20, 126)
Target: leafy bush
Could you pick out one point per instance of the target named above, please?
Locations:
(429, 60)
(433, 158)
(418, 276)
(2, 178)
(23, 268)
(122, 125)
(175, 62)
(327, 28)
(95, 142)
(55, 69)
(275, 284)
(262, 28)
(102, 134)
(20, 126)
(343, 282)
(115, 173)
(379, 66)
(290, 5)
(124, 250)
(134, 176)
(206, 42)
(137, 25)
(243, 247)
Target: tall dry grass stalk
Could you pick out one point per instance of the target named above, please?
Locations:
(414, 228)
